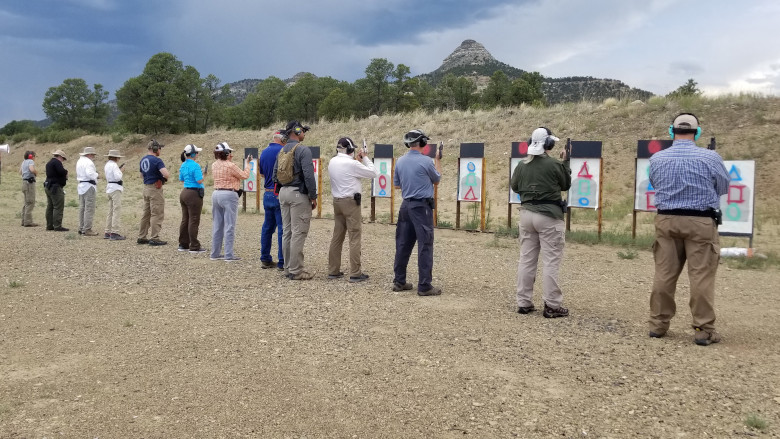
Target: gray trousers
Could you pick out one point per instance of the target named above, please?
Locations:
(28, 190)
(540, 232)
(87, 209)
(114, 209)
(296, 219)
(224, 212)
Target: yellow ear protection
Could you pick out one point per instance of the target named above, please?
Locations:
(682, 131)
(549, 142)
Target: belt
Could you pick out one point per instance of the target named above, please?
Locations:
(88, 181)
(416, 199)
(193, 188)
(269, 190)
(29, 180)
(688, 212)
(224, 189)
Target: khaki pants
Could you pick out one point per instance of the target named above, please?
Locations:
(114, 207)
(296, 219)
(28, 190)
(154, 212)
(679, 239)
(348, 218)
(87, 209)
(540, 232)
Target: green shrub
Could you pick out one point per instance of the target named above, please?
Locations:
(59, 136)
(21, 137)
(756, 422)
(628, 254)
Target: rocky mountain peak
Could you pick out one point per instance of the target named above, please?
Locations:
(469, 52)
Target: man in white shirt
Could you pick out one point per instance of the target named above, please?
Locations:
(114, 191)
(345, 172)
(87, 176)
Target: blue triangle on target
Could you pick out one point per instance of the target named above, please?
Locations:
(734, 174)
(649, 186)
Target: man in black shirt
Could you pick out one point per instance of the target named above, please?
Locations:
(56, 178)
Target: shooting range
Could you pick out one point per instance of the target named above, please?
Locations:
(382, 186)
(518, 153)
(587, 174)
(315, 160)
(471, 179)
(738, 204)
(251, 183)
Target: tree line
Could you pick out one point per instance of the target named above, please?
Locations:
(168, 97)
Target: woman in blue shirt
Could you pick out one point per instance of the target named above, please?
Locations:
(191, 200)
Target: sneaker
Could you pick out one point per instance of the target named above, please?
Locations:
(280, 267)
(303, 275)
(156, 242)
(61, 229)
(552, 313)
(402, 287)
(434, 291)
(232, 259)
(653, 334)
(525, 309)
(80, 232)
(117, 237)
(106, 235)
(30, 225)
(142, 241)
(705, 338)
(90, 232)
(217, 258)
(49, 228)
(267, 264)
(360, 278)
(338, 275)
(198, 250)
(183, 248)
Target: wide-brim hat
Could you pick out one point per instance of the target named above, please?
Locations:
(114, 153)
(88, 150)
(60, 153)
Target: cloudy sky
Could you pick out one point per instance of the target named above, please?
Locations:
(656, 45)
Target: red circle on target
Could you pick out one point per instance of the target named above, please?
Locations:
(653, 146)
(522, 148)
(382, 181)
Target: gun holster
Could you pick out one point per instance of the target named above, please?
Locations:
(358, 197)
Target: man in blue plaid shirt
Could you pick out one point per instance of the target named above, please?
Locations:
(688, 181)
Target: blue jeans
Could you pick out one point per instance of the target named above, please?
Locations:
(273, 220)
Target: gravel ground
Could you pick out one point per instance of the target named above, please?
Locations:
(114, 339)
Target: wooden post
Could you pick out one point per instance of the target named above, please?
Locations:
(482, 197)
(568, 219)
(319, 189)
(392, 191)
(601, 192)
(372, 218)
(633, 225)
(457, 203)
(243, 201)
(509, 216)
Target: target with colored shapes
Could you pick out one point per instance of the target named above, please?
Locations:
(380, 186)
(737, 204)
(586, 175)
(470, 182)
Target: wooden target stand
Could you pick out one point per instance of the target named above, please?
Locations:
(252, 184)
(518, 153)
(382, 186)
(471, 154)
(585, 155)
(316, 162)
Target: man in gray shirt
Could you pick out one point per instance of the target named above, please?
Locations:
(297, 198)
(28, 173)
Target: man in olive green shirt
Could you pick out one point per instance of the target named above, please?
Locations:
(540, 179)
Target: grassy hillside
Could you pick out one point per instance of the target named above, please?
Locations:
(745, 127)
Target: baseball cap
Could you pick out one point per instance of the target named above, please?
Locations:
(189, 149)
(685, 122)
(538, 137)
(345, 143)
(223, 146)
